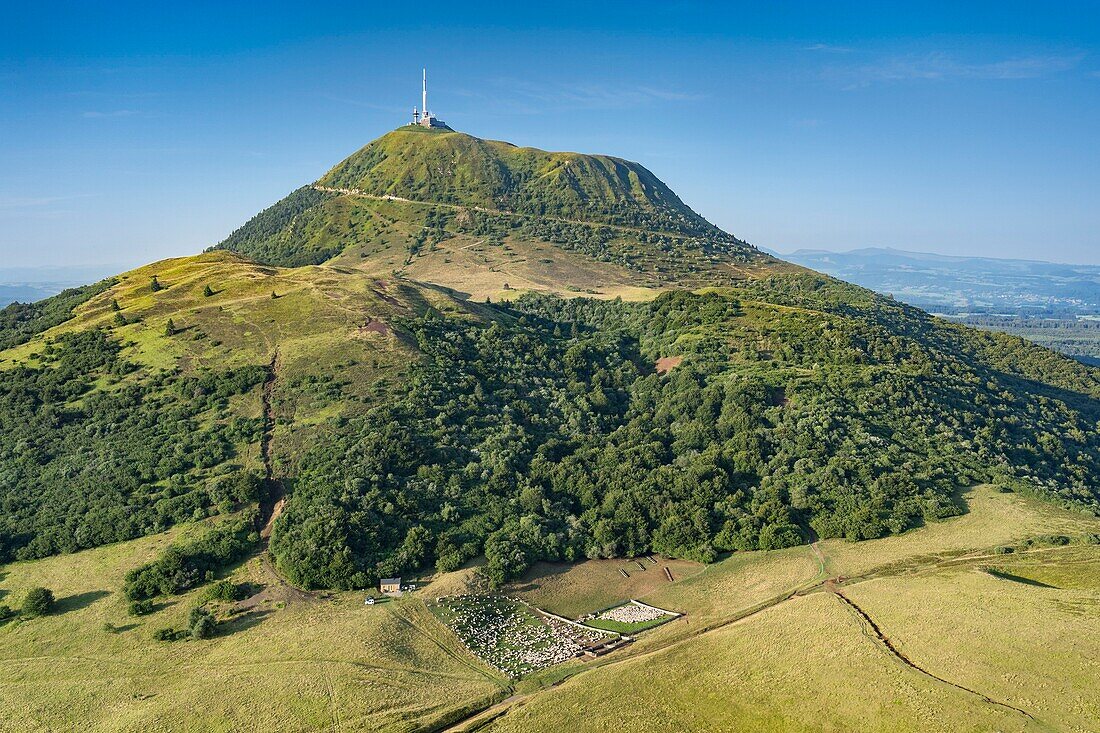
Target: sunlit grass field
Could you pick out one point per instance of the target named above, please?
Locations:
(763, 645)
(808, 662)
(332, 663)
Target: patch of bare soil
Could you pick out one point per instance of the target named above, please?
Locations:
(276, 591)
(373, 327)
(666, 364)
(276, 510)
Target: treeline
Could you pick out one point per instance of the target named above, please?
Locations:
(82, 467)
(546, 433)
(20, 322)
(183, 567)
(265, 237)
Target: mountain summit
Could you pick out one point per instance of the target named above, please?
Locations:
(415, 180)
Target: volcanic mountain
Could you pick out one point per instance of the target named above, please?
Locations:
(449, 347)
(537, 220)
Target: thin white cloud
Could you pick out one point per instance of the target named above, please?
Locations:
(827, 48)
(36, 207)
(30, 202)
(941, 66)
(102, 115)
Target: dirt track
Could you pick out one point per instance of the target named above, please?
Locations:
(479, 719)
(886, 642)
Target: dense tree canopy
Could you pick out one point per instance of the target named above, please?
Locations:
(547, 433)
(81, 467)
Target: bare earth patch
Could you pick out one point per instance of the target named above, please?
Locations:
(666, 364)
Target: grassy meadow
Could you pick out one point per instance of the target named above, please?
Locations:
(329, 663)
(752, 654)
(763, 645)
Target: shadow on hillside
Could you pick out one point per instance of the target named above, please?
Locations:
(79, 601)
(1019, 579)
(243, 622)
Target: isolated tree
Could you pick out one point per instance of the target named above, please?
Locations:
(273, 295)
(114, 305)
(38, 602)
(155, 284)
(202, 623)
(170, 328)
(207, 291)
(120, 320)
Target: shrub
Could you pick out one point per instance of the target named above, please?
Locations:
(5, 613)
(202, 623)
(140, 607)
(1003, 550)
(204, 628)
(165, 634)
(38, 602)
(222, 590)
(183, 567)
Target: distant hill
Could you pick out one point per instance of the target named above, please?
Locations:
(29, 293)
(31, 284)
(1050, 304)
(448, 348)
(965, 284)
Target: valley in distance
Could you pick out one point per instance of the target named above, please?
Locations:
(468, 436)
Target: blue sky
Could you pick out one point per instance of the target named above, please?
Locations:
(129, 133)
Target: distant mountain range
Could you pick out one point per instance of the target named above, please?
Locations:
(958, 285)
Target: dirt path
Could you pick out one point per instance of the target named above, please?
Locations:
(279, 590)
(501, 212)
(894, 651)
(273, 500)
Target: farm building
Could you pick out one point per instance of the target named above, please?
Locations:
(390, 586)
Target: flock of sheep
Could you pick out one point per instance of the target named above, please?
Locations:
(512, 638)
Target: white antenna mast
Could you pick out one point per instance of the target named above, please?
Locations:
(425, 100)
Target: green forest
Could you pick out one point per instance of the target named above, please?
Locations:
(83, 465)
(541, 430)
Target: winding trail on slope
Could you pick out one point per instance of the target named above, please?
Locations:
(893, 650)
(272, 505)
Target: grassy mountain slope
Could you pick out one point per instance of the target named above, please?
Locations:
(115, 427)
(455, 168)
(412, 189)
